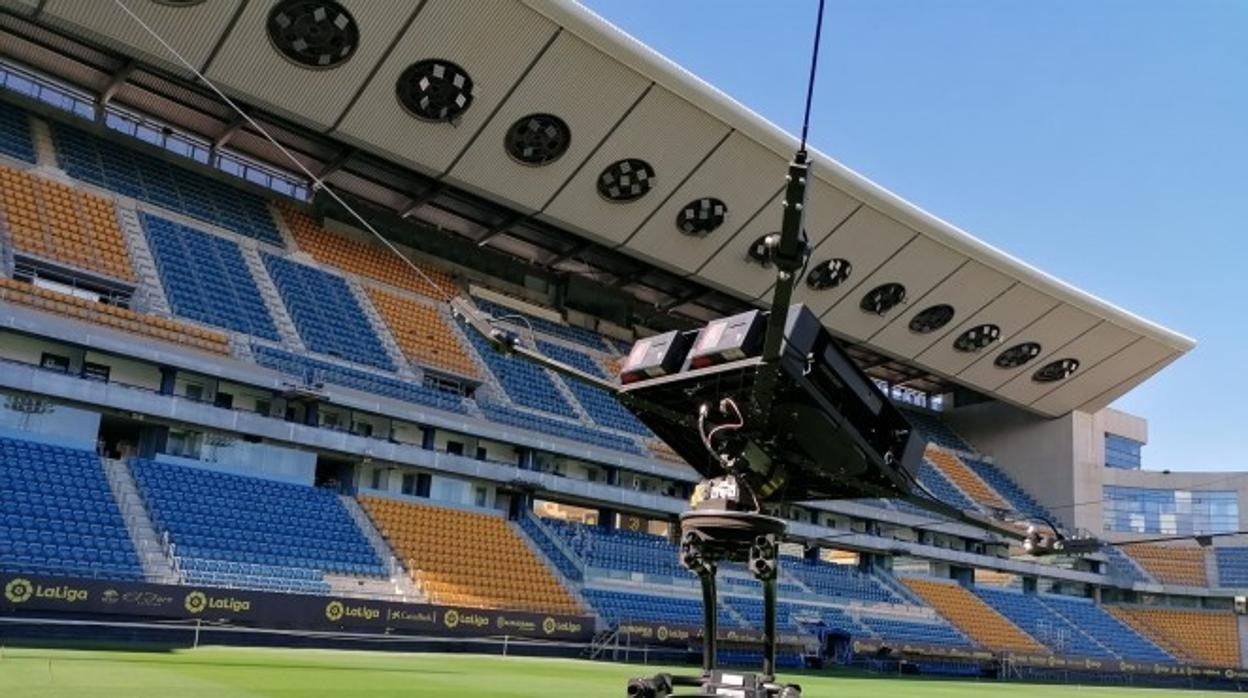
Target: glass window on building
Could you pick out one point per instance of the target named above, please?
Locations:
(1169, 512)
(1121, 452)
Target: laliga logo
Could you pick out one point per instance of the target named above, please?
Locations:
(334, 611)
(197, 602)
(19, 590)
(451, 619)
(548, 626)
(662, 633)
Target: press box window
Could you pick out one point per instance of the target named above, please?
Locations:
(409, 484)
(424, 483)
(54, 362)
(96, 372)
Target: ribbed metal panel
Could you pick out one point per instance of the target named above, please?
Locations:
(826, 208)
(1088, 383)
(1090, 348)
(576, 83)
(192, 30)
(493, 41)
(967, 290)
(1012, 311)
(1053, 330)
(919, 266)
(248, 63)
(867, 239)
(665, 131)
(20, 6)
(730, 174)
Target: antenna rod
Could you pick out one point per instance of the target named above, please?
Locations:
(810, 83)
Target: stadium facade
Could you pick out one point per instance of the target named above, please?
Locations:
(221, 390)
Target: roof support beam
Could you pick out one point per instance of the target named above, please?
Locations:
(228, 134)
(691, 297)
(630, 277)
(569, 254)
(421, 199)
(499, 228)
(336, 164)
(115, 83)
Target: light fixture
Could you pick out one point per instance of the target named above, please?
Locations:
(829, 273)
(434, 90)
(626, 180)
(977, 338)
(932, 318)
(1017, 355)
(883, 298)
(701, 216)
(1055, 371)
(538, 139)
(313, 33)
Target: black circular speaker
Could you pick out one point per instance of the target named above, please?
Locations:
(701, 216)
(932, 319)
(977, 338)
(538, 139)
(626, 180)
(883, 298)
(434, 90)
(829, 273)
(313, 33)
(1055, 371)
(1017, 355)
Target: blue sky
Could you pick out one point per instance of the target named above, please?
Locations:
(1103, 141)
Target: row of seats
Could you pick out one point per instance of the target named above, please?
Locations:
(535, 531)
(115, 317)
(54, 221)
(621, 550)
(467, 558)
(217, 517)
(936, 431)
(615, 606)
(1096, 622)
(1043, 623)
(558, 428)
(973, 617)
(1172, 565)
(939, 486)
(102, 162)
(965, 479)
(1195, 636)
(206, 278)
(373, 261)
(60, 516)
(525, 322)
(311, 372)
(1016, 496)
(524, 382)
(15, 137)
(1232, 567)
(1122, 566)
(840, 581)
(326, 314)
(425, 338)
(602, 407)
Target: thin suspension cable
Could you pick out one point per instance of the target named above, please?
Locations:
(317, 182)
(810, 83)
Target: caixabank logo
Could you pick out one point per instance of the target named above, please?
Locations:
(337, 610)
(198, 602)
(20, 590)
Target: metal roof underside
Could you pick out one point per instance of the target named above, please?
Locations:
(620, 100)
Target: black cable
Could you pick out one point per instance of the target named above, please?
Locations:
(810, 84)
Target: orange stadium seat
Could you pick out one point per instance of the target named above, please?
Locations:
(122, 319)
(422, 334)
(59, 223)
(975, 618)
(373, 261)
(1198, 636)
(470, 559)
(965, 478)
(1171, 565)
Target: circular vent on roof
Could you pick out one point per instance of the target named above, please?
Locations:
(931, 319)
(976, 338)
(538, 139)
(1017, 355)
(760, 250)
(701, 216)
(1056, 370)
(626, 180)
(313, 33)
(882, 299)
(434, 90)
(829, 273)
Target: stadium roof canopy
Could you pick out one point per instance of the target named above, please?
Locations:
(524, 125)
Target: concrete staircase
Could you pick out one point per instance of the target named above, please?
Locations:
(149, 292)
(400, 582)
(153, 554)
(272, 298)
(45, 148)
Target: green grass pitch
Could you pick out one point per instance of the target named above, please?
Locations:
(270, 673)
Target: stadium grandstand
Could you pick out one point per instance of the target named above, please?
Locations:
(220, 386)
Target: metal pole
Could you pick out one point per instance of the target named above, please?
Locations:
(769, 627)
(198, 622)
(710, 619)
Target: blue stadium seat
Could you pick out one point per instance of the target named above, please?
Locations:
(835, 581)
(620, 606)
(934, 632)
(15, 140)
(1120, 638)
(576, 335)
(245, 532)
(126, 171)
(549, 548)
(620, 550)
(311, 371)
(206, 279)
(1006, 487)
(935, 481)
(59, 516)
(524, 382)
(1043, 623)
(326, 314)
(559, 428)
(602, 407)
(936, 431)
